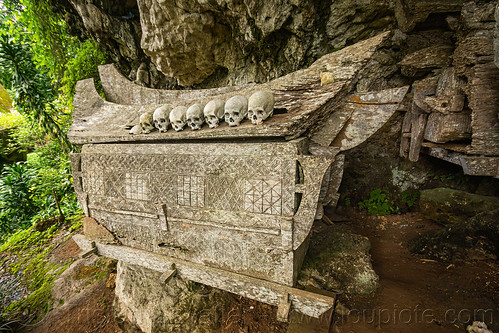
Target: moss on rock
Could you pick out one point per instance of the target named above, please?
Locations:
(339, 260)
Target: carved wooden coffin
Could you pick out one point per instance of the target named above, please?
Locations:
(245, 207)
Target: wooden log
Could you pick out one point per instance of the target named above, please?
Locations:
(442, 128)
(405, 139)
(305, 302)
(417, 133)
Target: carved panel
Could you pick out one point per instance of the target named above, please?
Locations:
(263, 196)
(190, 191)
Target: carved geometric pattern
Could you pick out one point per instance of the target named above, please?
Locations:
(114, 186)
(190, 191)
(137, 186)
(263, 196)
(93, 183)
(163, 188)
(288, 187)
(224, 193)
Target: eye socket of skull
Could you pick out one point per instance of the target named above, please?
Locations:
(260, 112)
(236, 113)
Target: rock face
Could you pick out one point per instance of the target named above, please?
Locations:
(449, 206)
(224, 42)
(144, 304)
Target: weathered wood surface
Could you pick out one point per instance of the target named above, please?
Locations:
(484, 101)
(360, 117)
(308, 303)
(441, 128)
(447, 97)
(244, 207)
(405, 138)
(474, 165)
(301, 102)
(418, 125)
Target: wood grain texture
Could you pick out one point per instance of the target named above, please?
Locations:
(301, 102)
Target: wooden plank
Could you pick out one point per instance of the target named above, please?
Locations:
(474, 165)
(441, 128)
(305, 302)
(371, 111)
(484, 101)
(417, 133)
(405, 138)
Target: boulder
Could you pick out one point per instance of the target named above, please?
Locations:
(476, 238)
(143, 303)
(339, 260)
(447, 206)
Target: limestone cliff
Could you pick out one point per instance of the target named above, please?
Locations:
(226, 42)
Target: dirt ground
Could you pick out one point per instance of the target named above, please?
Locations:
(415, 294)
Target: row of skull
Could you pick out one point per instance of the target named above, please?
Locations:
(257, 108)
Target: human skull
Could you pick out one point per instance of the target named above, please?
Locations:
(260, 106)
(137, 129)
(160, 117)
(236, 109)
(146, 122)
(213, 112)
(195, 116)
(177, 118)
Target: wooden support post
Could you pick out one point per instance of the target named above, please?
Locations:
(283, 308)
(90, 252)
(167, 276)
(418, 126)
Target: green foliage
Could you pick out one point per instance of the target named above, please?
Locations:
(52, 46)
(380, 202)
(450, 180)
(9, 120)
(83, 65)
(16, 197)
(5, 100)
(40, 64)
(410, 198)
(33, 93)
(27, 189)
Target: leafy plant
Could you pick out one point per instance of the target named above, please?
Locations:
(9, 120)
(410, 198)
(16, 197)
(83, 65)
(379, 203)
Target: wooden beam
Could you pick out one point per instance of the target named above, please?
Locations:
(305, 302)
